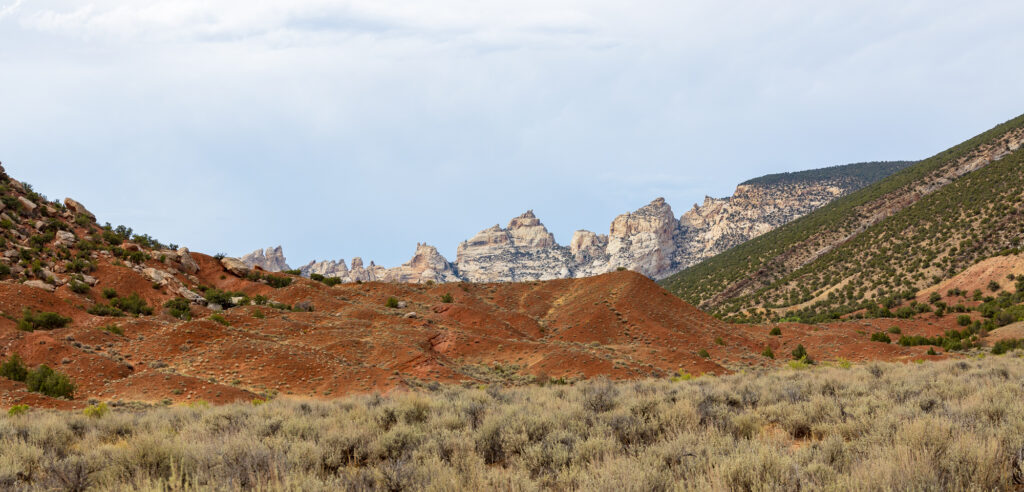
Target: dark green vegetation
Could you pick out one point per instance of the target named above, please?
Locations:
(179, 308)
(40, 380)
(131, 304)
(862, 174)
(31, 321)
(275, 281)
(951, 425)
(881, 267)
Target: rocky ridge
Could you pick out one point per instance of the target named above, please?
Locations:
(650, 240)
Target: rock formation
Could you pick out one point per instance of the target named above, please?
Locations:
(651, 240)
(271, 260)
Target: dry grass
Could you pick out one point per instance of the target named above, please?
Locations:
(954, 425)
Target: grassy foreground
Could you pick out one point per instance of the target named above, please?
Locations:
(953, 425)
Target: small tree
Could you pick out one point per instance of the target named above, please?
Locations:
(14, 369)
(800, 353)
(768, 353)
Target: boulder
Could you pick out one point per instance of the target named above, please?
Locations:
(65, 238)
(188, 264)
(78, 208)
(39, 284)
(27, 204)
(235, 266)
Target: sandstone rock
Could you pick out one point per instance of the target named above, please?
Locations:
(411, 315)
(188, 264)
(157, 276)
(650, 240)
(78, 208)
(192, 296)
(271, 260)
(27, 204)
(235, 266)
(89, 280)
(39, 284)
(426, 265)
(65, 238)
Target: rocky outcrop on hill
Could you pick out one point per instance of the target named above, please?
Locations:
(271, 260)
(427, 265)
(650, 240)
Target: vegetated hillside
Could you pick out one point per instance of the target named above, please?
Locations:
(860, 174)
(91, 312)
(953, 425)
(923, 224)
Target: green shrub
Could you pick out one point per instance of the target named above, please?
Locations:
(50, 383)
(881, 337)
(14, 369)
(16, 410)
(931, 351)
(800, 354)
(392, 302)
(704, 353)
(104, 310)
(317, 277)
(447, 298)
(963, 320)
(993, 286)
(179, 308)
(332, 281)
(895, 330)
(277, 282)
(31, 321)
(217, 296)
(775, 332)
(768, 353)
(114, 329)
(219, 318)
(132, 304)
(79, 287)
(258, 314)
(109, 293)
(1004, 346)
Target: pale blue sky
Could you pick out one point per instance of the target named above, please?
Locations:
(359, 128)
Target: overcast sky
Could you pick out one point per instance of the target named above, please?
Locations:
(359, 128)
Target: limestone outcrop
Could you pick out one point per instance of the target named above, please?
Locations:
(650, 240)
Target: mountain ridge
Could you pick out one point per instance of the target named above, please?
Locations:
(651, 240)
(763, 273)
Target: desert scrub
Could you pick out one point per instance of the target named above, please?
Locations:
(949, 425)
(31, 321)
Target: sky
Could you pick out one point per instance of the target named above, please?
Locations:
(359, 128)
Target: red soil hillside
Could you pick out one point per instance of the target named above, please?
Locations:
(310, 339)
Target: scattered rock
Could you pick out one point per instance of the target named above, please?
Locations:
(188, 264)
(78, 208)
(28, 204)
(235, 266)
(402, 304)
(39, 284)
(65, 238)
(411, 315)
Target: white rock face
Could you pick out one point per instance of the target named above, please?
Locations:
(271, 260)
(525, 250)
(650, 240)
(427, 265)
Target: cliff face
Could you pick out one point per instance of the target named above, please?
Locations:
(271, 260)
(651, 240)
